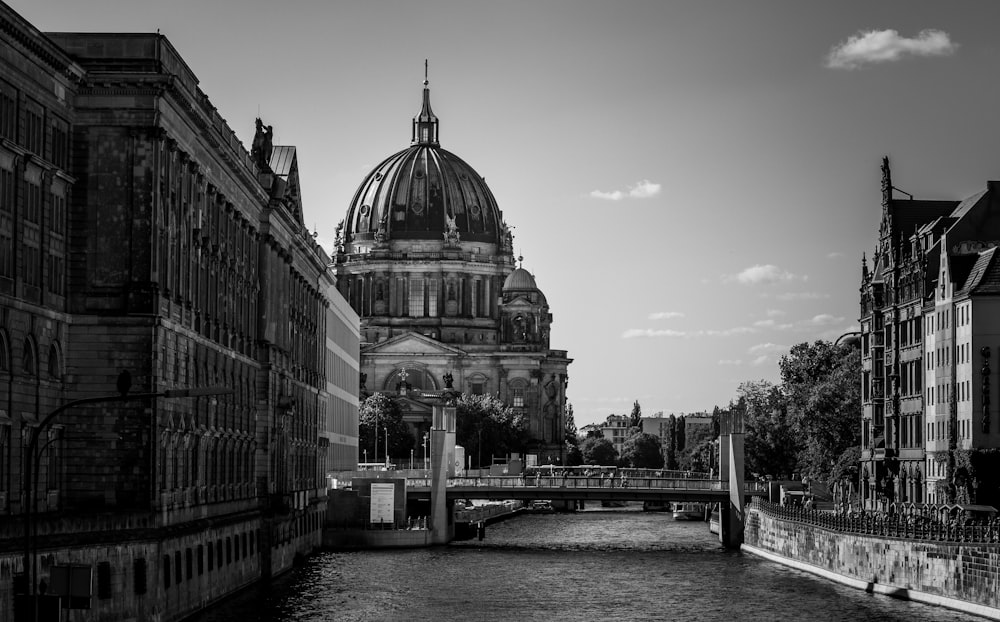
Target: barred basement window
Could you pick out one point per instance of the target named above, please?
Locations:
(104, 580)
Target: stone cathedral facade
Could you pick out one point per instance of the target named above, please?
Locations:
(425, 257)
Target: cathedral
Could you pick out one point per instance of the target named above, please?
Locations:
(425, 257)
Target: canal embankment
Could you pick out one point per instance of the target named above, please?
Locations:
(951, 566)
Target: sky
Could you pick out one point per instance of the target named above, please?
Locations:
(693, 184)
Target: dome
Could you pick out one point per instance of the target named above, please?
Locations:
(520, 279)
(424, 192)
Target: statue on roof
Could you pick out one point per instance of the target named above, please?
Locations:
(451, 236)
(262, 146)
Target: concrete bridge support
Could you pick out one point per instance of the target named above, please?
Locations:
(731, 461)
(442, 441)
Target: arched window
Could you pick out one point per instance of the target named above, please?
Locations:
(518, 389)
(29, 358)
(55, 362)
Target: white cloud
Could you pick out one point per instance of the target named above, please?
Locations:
(649, 332)
(881, 46)
(730, 362)
(824, 319)
(801, 296)
(834, 255)
(775, 313)
(665, 315)
(641, 190)
(667, 332)
(760, 360)
(764, 273)
(766, 348)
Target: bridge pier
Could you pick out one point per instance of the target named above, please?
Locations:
(731, 461)
(442, 440)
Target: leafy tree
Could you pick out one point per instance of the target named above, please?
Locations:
(381, 411)
(635, 419)
(642, 451)
(670, 444)
(822, 386)
(594, 433)
(486, 427)
(574, 457)
(570, 431)
(598, 451)
(771, 445)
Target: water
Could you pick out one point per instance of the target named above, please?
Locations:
(609, 565)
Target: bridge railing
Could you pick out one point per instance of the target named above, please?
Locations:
(590, 483)
(887, 525)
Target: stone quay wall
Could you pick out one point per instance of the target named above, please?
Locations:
(958, 575)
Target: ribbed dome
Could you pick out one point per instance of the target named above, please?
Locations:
(424, 193)
(414, 194)
(520, 279)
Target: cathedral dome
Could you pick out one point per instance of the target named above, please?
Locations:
(520, 280)
(424, 192)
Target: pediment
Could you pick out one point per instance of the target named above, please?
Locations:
(413, 343)
(519, 303)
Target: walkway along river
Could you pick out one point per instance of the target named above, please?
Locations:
(599, 564)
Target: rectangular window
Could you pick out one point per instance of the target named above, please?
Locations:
(34, 128)
(139, 576)
(518, 397)
(416, 297)
(104, 580)
(8, 111)
(60, 143)
(432, 297)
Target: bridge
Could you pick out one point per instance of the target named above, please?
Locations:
(579, 488)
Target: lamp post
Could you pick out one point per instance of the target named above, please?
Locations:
(32, 458)
(366, 455)
(386, 430)
(425, 450)
(411, 459)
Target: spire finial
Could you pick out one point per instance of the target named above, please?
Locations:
(425, 73)
(520, 261)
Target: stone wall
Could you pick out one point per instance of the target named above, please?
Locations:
(958, 575)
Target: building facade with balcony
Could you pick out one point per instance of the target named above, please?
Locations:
(425, 258)
(138, 235)
(919, 380)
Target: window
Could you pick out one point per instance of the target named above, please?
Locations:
(189, 563)
(416, 297)
(178, 571)
(201, 559)
(139, 575)
(477, 388)
(517, 396)
(211, 557)
(8, 111)
(104, 580)
(28, 358)
(166, 570)
(55, 364)
(34, 128)
(432, 297)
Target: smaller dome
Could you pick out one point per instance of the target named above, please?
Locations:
(519, 279)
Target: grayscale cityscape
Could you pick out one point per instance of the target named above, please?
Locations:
(270, 350)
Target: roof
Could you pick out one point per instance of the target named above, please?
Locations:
(519, 279)
(984, 277)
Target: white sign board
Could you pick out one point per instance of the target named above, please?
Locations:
(383, 503)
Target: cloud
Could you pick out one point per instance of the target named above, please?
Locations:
(824, 319)
(801, 296)
(632, 333)
(730, 362)
(665, 315)
(641, 190)
(760, 360)
(834, 255)
(649, 332)
(770, 323)
(766, 348)
(764, 273)
(775, 313)
(882, 46)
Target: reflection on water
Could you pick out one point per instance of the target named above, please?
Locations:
(607, 565)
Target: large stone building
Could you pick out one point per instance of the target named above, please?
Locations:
(930, 321)
(425, 258)
(144, 250)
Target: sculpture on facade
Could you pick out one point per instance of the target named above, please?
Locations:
(262, 146)
(451, 235)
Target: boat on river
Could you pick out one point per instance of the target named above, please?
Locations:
(655, 506)
(689, 511)
(713, 523)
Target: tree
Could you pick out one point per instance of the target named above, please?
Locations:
(822, 386)
(642, 451)
(598, 451)
(770, 444)
(382, 412)
(574, 457)
(570, 431)
(635, 419)
(486, 427)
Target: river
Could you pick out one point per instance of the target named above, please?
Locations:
(604, 565)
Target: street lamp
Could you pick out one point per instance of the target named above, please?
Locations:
(386, 429)
(425, 450)
(32, 457)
